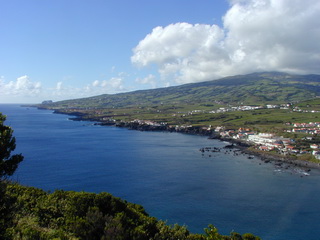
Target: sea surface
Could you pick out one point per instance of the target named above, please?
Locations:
(167, 174)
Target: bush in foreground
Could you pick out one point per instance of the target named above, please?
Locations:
(35, 214)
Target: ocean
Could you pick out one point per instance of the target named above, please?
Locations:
(167, 174)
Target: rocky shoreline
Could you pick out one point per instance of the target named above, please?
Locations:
(281, 162)
(277, 160)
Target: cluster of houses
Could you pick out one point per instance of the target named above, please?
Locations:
(297, 109)
(308, 128)
(248, 108)
(222, 110)
(240, 108)
(262, 141)
(148, 122)
(268, 141)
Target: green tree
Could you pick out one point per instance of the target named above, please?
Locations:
(8, 163)
(250, 236)
(212, 233)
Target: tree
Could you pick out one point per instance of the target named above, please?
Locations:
(8, 163)
(212, 233)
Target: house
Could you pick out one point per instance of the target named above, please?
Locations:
(219, 129)
(265, 148)
(316, 154)
(314, 146)
(286, 142)
(240, 136)
(289, 147)
(261, 138)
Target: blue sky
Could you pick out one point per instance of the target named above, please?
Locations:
(79, 48)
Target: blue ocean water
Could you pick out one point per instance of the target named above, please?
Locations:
(167, 174)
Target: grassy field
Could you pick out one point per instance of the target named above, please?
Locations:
(262, 120)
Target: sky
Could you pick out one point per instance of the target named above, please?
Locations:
(66, 49)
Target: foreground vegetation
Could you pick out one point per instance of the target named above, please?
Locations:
(30, 213)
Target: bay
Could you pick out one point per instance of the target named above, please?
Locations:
(167, 174)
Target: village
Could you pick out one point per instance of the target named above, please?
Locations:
(279, 144)
(236, 108)
(261, 141)
(247, 108)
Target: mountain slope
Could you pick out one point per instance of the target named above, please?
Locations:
(255, 88)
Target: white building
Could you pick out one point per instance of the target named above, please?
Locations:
(262, 138)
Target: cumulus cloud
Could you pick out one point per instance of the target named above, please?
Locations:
(112, 85)
(150, 79)
(58, 91)
(59, 86)
(275, 35)
(178, 48)
(21, 86)
(25, 90)
(257, 35)
(95, 83)
(97, 87)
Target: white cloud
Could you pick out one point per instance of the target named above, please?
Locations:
(96, 83)
(178, 48)
(23, 90)
(57, 92)
(257, 35)
(59, 86)
(21, 86)
(114, 84)
(150, 79)
(97, 87)
(275, 35)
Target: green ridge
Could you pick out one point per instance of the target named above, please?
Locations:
(255, 88)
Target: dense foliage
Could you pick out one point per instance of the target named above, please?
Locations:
(35, 214)
(8, 162)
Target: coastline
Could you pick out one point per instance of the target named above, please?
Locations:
(280, 162)
(283, 162)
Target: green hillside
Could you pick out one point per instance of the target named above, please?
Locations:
(255, 88)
